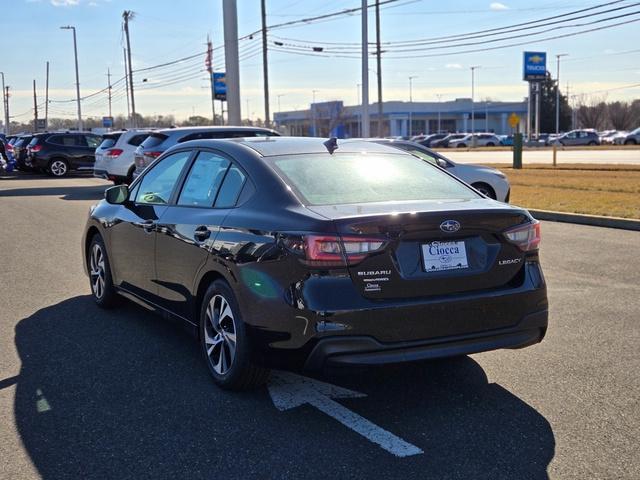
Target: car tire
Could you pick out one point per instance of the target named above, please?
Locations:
(224, 341)
(58, 167)
(485, 189)
(490, 144)
(591, 144)
(631, 141)
(462, 145)
(102, 289)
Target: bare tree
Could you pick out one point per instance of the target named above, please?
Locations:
(620, 115)
(592, 113)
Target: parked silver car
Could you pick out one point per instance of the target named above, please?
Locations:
(631, 138)
(160, 140)
(490, 182)
(578, 137)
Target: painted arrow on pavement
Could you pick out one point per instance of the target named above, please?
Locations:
(289, 390)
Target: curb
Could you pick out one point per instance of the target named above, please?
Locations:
(593, 220)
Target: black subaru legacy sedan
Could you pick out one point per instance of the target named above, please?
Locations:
(302, 253)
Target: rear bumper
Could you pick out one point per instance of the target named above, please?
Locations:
(362, 350)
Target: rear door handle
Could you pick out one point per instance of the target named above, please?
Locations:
(201, 233)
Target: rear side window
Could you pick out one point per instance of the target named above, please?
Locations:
(33, 142)
(204, 180)
(231, 187)
(93, 141)
(153, 140)
(65, 140)
(109, 140)
(137, 139)
(323, 179)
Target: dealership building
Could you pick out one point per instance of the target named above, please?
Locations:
(402, 118)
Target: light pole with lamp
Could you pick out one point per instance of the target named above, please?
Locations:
(411, 104)
(439, 101)
(558, 93)
(313, 112)
(473, 112)
(75, 52)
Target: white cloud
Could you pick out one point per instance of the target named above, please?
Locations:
(65, 3)
(497, 6)
(454, 66)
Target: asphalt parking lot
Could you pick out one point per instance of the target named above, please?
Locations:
(86, 393)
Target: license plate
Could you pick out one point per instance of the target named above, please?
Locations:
(439, 256)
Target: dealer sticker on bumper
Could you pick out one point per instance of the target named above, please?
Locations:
(439, 256)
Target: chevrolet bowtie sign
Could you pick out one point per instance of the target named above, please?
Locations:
(535, 66)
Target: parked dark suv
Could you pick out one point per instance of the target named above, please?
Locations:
(58, 153)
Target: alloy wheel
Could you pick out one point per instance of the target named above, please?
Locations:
(58, 168)
(97, 271)
(220, 334)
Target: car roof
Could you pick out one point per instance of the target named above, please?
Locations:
(168, 131)
(275, 146)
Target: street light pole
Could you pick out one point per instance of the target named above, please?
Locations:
(411, 103)
(75, 52)
(558, 93)
(4, 106)
(439, 100)
(358, 85)
(365, 70)
(473, 96)
(313, 112)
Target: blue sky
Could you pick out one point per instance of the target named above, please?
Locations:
(164, 30)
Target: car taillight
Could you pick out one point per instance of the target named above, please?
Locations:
(333, 250)
(9, 147)
(113, 152)
(525, 237)
(153, 154)
(35, 148)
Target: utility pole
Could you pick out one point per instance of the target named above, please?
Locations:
(126, 84)
(46, 100)
(230, 17)
(35, 108)
(411, 104)
(109, 82)
(365, 71)
(209, 65)
(126, 16)
(558, 93)
(486, 116)
(5, 105)
(379, 61)
(75, 52)
(265, 68)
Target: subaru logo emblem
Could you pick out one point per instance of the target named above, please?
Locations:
(450, 226)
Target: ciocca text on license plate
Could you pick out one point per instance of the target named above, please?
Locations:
(439, 256)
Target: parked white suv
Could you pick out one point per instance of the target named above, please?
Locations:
(114, 156)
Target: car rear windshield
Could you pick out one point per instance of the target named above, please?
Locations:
(109, 140)
(341, 178)
(153, 140)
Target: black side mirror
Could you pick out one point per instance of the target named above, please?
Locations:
(116, 195)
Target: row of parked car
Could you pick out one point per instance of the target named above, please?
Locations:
(578, 137)
(120, 156)
(117, 156)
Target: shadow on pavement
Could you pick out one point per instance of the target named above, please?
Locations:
(87, 192)
(124, 394)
